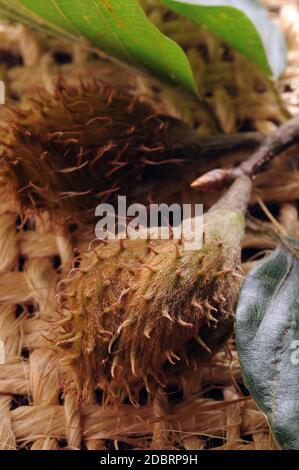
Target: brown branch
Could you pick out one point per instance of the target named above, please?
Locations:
(273, 145)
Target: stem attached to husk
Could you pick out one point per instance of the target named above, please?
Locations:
(225, 220)
(237, 197)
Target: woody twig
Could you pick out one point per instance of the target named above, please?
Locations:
(285, 136)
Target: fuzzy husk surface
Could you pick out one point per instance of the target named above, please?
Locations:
(142, 312)
(65, 152)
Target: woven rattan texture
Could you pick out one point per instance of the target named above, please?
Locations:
(38, 406)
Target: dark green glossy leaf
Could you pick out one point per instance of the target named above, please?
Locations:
(267, 332)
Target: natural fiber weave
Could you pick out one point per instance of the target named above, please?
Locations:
(38, 405)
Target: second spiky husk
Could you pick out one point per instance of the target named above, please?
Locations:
(140, 313)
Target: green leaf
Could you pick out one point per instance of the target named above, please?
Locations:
(119, 28)
(243, 24)
(267, 332)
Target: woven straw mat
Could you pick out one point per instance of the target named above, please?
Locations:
(214, 410)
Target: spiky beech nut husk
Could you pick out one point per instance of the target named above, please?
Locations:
(140, 312)
(69, 151)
